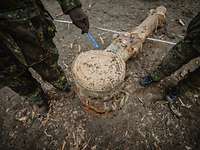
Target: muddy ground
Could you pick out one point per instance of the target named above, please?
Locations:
(145, 122)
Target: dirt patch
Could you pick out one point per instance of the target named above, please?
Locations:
(144, 123)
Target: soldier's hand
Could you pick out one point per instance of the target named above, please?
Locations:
(80, 19)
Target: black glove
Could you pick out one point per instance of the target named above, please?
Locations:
(80, 19)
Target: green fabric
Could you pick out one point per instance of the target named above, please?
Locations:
(26, 40)
(181, 53)
(30, 41)
(16, 76)
(26, 22)
(38, 52)
(68, 5)
(193, 32)
(189, 87)
(191, 84)
(23, 10)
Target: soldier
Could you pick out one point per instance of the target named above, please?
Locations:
(180, 54)
(26, 40)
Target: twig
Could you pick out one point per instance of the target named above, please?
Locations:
(184, 105)
(71, 45)
(140, 100)
(174, 110)
(141, 133)
(68, 26)
(155, 137)
(143, 117)
(60, 14)
(79, 48)
(102, 41)
(161, 41)
(63, 21)
(86, 144)
(48, 135)
(66, 66)
(63, 146)
(181, 22)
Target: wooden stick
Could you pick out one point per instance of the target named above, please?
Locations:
(128, 44)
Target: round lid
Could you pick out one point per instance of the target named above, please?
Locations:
(98, 70)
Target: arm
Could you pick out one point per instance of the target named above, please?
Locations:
(78, 17)
(68, 5)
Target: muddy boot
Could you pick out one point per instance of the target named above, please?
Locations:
(175, 109)
(67, 88)
(69, 91)
(171, 96)
(146, 81)
(40, 104)
(41, 109)
(153, 77)
(62, 85)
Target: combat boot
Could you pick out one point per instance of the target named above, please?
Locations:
(172, 94)
(41, 103)
(67, 88)
(146, 81)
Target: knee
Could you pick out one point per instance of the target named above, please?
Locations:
(52, 58)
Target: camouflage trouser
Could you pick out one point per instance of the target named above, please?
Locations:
(181, 54)
(29, 44)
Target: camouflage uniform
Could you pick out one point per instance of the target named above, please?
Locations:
(26, 40)
(181, 54)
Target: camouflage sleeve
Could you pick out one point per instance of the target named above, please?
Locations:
(68, 5)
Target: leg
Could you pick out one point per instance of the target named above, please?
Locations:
(16, 76)
(40, 52)
(192, 82)
(25, 85)
(193, 32)
(49, 69)
(179, 55)
(187, 87)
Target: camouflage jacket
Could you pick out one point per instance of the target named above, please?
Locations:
(29, 19)
(16, 10)
(193, 32)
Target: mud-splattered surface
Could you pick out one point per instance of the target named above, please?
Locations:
(143, 123)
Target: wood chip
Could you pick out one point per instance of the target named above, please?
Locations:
(59, 14)
(102, 41)
(63, 146)
(79, 48)
(48, 135)
(68, 26)
(140, 100)
(23, 118)
(180, 21)
(71, 45)
(184, 105)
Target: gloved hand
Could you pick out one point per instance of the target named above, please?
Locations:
(80, 19)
